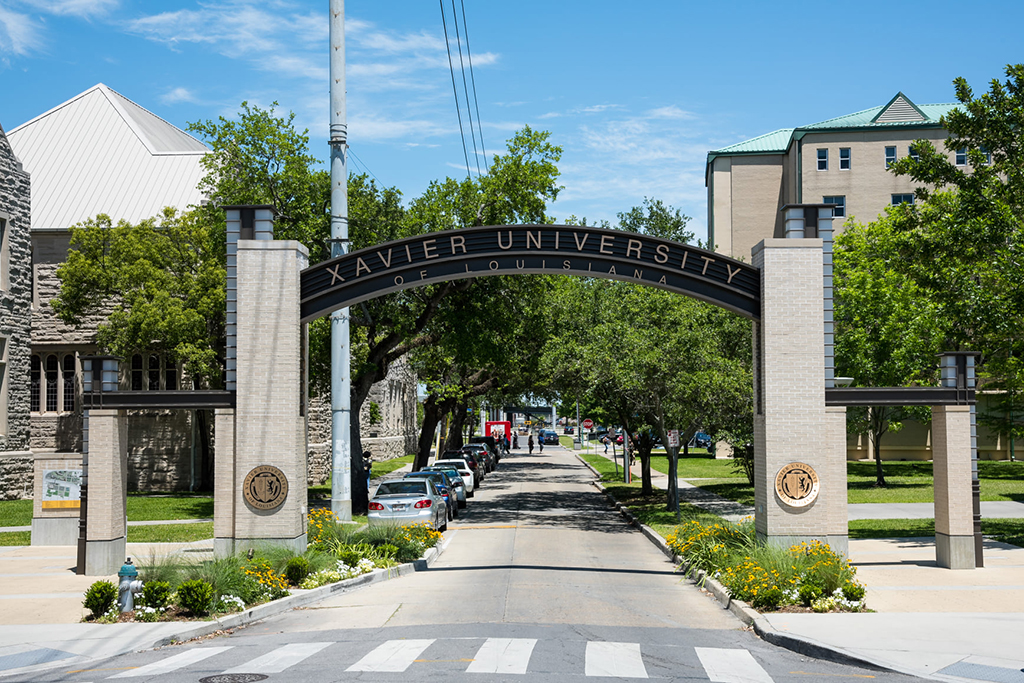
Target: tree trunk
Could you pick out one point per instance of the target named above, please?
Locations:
(360, 489)
(431, 416)
(877, 430)
(455, 432)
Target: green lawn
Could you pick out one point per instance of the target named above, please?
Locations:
(911, 482)
(15, 513)
(170, 533)
(142, 507)
(697, 466)
(1005, 530)
(15, 538)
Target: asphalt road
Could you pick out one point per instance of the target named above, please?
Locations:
(541, 580)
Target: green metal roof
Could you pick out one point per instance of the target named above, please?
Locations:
(776, 141)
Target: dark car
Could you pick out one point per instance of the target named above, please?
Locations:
(550, 437)
(492, 443)
(444, 486)
(475, 462)
(483, 453)
(456, 479)
(701, 440)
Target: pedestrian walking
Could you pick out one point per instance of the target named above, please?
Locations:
(540, 441)
(604, 440)
(529, 442)
(367, 465)
(515, 442)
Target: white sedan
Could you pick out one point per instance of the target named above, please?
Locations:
(464, 472)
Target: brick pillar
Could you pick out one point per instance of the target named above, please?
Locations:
(107, 475)
(790, 423)
(270, 424)
(834, 497)
(224, 483)
(954, 512)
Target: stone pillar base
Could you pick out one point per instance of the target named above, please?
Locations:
(103, 558)
(297, 544)
(223, 547)
(55, 531)
(954, 552)
(839, 543)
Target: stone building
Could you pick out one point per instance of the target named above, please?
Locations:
(16, 464)
(128, 163)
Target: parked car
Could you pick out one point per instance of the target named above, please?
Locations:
(700, 440)
(550, 437)
(484, 452)
(444, 487)
(408, 501)
(457, 459)
(456, 478)
(492, 444)
(568, 430)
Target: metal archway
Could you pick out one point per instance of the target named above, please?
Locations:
(520, 249)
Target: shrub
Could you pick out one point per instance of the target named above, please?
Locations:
(296, 570)
(156, 594)
(349, 556)
(100, 598)
(768, 599)
(808, 594)
(273, 584)
(826, 569)
(706, 546)
(853, 591)
(195, 596)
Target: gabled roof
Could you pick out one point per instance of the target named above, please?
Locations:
(99, 152)
(776, 141)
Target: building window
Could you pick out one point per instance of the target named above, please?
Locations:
(35, 393)
(822, 159)
(912, 154)
(5, 260)
(137, 372)
(52, 376)
(961, 156)
(839, 210)
(154, 373)
(68, 380)
(890, 156)
(844, 158)
(171, 375)
(3, 386)
(988, 155)
(898, 199)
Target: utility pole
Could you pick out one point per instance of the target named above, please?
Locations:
(341, 399)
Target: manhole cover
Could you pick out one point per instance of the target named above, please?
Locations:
(233, 678)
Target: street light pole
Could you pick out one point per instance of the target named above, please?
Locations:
(341, 400)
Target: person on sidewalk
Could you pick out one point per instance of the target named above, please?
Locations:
(515, 441)
(529, 443)
(604, 440)
(540, 441)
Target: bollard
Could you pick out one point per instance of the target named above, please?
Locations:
(128, 585)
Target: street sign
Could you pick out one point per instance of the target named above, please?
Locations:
(673, 438)
(588, 424)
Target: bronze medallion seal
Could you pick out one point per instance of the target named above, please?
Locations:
(265, 487)
(797, 484)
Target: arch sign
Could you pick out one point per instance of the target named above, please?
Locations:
(519, 249)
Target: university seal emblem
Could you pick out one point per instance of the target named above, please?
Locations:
(265, 487)
(797, 484)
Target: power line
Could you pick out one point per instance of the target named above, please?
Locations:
(472, 78)
(455, 90)
(465, 87)
(363, 164)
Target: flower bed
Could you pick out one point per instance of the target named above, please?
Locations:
(808, 575)
(175, 588)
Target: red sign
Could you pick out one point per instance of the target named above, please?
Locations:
(588, 424)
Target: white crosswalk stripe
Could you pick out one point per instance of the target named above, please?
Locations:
(393, 656)
(621, 660)
(280, 659)
(731, 666)
(503, 656)
(173, 663)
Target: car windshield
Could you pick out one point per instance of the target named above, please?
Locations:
(436, 477)
(457, 464)
(405, 486)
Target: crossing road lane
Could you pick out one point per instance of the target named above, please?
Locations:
(503, 656)
(731, 666)
(393, 656)
(280, 659)
(174, 662)
(620, 660)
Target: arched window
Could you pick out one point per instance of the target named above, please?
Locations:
(137, 372)
(171, 374)
(154, 373)
(36, 387)
(52, 370)
(69, 383)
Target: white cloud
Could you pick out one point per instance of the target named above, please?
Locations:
(19, 33)
(176, 95)
(77, 8)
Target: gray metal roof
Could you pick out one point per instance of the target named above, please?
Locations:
(99, 152)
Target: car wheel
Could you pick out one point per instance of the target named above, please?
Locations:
(444, 527)
(455, 510)
(462, 503)
(448, 514)
(471, 493)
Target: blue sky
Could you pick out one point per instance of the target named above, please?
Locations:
(636, 93)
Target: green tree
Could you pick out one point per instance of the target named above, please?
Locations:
(886, 330)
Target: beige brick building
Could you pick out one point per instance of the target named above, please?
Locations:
(844, 161)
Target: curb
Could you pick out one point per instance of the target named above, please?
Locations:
(740, 609)
(300, 598)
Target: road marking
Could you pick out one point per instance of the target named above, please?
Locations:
(280, 659)
(503, 656)
(731, 666)
(174, 663)
(393, 656)
(620, 660)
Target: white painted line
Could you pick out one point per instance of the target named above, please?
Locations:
(731, 666)
(503, 656)
(393, 656)
(173, 663)
(621, 660)
(280, 659)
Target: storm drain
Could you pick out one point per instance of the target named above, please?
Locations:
(233, 678)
